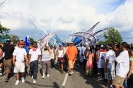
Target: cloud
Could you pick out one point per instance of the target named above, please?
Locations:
(66, 15)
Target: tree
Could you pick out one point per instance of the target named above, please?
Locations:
(31, 40)
(3, 30)
(100, 42)
(7, 36)
(112, 36)
(14, 38)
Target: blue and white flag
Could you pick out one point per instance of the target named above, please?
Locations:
(57, 39)
(27, 41)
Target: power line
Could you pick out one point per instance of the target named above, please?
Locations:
(2, 3)
(117, 6)
(114, 9)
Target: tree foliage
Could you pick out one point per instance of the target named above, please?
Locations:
(100, 42)
(3, 30)
(31, 40)
(112, 36)
(14, 38)
(6, 36)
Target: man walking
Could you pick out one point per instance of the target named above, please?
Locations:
(109, 68)
(8, 50)
(72, 54)
(122, 66)
(34, 56)
(19, 56)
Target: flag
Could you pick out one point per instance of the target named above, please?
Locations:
(57, 39)
(27, 41)
(46, 39)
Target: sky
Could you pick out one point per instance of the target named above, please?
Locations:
(65, 16)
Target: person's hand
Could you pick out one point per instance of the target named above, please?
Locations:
(128, 76)
(75, 59)
(14, 63)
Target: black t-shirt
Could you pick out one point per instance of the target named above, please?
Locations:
(8, 49)
(1, 60)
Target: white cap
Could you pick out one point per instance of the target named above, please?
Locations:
(102, 45)
(86, 43)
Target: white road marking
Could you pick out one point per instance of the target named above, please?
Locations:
(65, 79)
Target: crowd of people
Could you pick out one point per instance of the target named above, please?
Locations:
(15, 58)
(111, 62)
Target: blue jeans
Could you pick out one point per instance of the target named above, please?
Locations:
(34, 68)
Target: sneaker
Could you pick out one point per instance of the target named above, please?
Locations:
(34, 81)
(17, 82)
(111, 86)
(0, 74)
(23, 80)
(72, 72)
(3, 73)
(48, 75)
(6, 79)
(43, 77)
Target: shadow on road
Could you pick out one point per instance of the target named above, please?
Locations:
(89, 80)
(55, 85)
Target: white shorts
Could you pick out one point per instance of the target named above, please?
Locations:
(19, 67)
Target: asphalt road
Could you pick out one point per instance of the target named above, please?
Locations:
(56, 79)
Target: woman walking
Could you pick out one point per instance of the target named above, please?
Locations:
(60, 57)
(46, 62)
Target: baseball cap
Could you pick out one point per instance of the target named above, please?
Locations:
(102, 46)
(20, 43)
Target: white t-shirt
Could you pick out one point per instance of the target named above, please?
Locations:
(101, 60)
(122, 67)
(61, 53)
(110, 55)
(81, 50)
(19, 53)
(34, 54)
